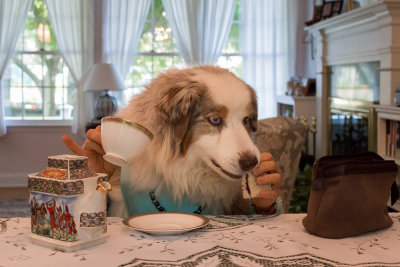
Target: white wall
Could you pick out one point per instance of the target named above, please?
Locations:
(25, 150)
(305, 65)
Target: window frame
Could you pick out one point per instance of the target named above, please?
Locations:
(23, 120)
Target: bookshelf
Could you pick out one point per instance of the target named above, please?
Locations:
(388, 132)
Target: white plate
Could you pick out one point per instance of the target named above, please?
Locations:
(166, 223)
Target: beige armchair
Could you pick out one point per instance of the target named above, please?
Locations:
(284, 138)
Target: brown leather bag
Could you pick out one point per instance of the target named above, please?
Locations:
(349, 195)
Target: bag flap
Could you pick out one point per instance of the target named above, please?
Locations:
(343, 158)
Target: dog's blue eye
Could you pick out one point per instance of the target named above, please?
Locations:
(216, 121)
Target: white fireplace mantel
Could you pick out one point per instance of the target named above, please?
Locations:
(370, 33)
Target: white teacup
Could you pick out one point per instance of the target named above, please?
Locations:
(122, 139)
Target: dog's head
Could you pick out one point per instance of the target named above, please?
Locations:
(210, 114)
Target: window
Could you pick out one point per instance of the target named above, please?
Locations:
(158, 50)
(37, 85)
(37, 88)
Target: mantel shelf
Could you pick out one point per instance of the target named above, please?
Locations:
(355, 17)
(388, 112)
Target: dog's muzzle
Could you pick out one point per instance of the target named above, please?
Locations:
(234, 176)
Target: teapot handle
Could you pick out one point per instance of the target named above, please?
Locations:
(103, 187)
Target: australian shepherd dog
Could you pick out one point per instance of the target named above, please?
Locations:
(203, 120)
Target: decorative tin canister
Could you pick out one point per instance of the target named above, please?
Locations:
(68, 204)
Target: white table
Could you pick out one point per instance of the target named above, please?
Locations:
(228, 240)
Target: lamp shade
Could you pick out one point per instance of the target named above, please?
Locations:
(103, 77)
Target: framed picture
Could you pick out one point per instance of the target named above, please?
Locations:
(337, 8)
(331, 8)
(317, 13)
(327, 10)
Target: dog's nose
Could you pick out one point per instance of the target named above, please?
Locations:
(247, 162)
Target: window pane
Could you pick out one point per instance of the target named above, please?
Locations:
(232, 63)
(238, 9)
(38, 8)
(142, 70)
(33, 102)
(12, 101)
(49, 101)
(31, 14)
(146, 41)
(53, 71)
(178, 62)
(159, 12)
(149, 16)
(49, 39)
(29, 40)
(161, 64)
(232, 46)
(31, 64)
(162, 37)
(16, 72)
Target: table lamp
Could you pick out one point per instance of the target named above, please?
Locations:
(104, 77)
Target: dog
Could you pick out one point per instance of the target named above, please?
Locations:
(203, 120)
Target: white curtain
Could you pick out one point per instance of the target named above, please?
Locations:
(12, 20)
(200, 27)
(123, 26)
(73, 25)
(269, 49)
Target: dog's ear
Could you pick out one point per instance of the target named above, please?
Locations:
(178, 103)
(179, 100)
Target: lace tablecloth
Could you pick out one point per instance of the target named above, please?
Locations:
(226, 241)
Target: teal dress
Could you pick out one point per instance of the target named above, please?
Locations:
(138, 202)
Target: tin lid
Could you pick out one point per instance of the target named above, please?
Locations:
(67, 167)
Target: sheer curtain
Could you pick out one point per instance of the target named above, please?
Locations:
(123, 26)
(200, 27)
(268, 48)
(73, 25)
(12, 20)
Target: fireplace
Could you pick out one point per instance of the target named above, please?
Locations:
(354, 89)
(370, 34)
(352, 126)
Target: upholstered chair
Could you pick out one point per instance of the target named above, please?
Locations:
(284, 138)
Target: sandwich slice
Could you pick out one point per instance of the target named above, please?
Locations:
(250, 188)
